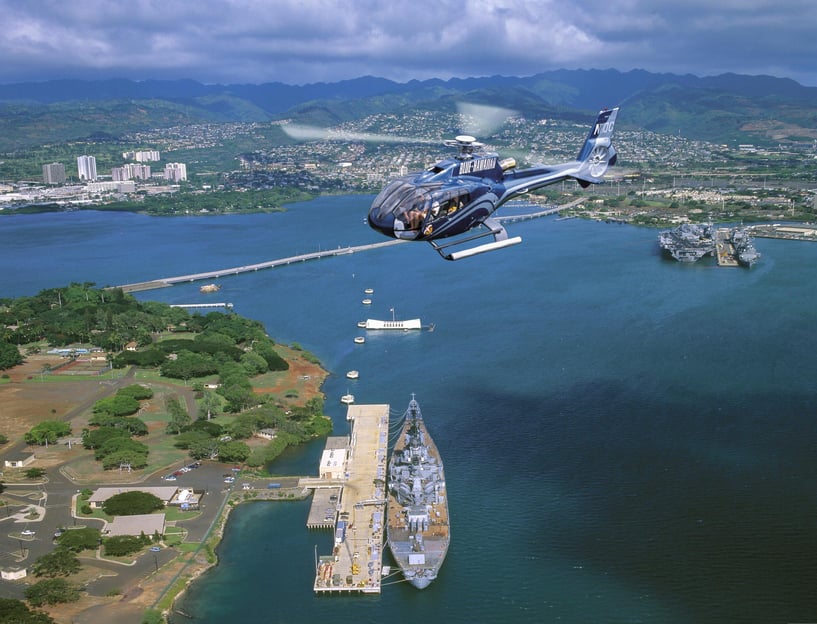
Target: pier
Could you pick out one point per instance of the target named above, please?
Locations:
(350, 498)
(199, 306)
(724, 249)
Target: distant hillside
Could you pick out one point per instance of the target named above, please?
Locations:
(726, 108)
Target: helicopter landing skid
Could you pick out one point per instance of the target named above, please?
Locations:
(496, 230)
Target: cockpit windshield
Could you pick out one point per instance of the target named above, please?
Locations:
(404, 208)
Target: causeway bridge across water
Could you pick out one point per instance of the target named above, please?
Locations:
(164, 282)
(247, 268)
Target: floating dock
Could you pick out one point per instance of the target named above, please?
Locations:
(350, 498)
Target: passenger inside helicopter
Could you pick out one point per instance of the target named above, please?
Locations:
(402, 207)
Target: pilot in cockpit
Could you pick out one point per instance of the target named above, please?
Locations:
(414, 216)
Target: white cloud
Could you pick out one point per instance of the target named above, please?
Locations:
(301, 41)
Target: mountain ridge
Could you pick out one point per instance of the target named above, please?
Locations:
(696, 106)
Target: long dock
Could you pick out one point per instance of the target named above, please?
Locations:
(351, 491)
(724, 249)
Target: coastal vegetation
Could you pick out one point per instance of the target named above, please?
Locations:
(13, 611)
(218, 354)
(209, 202)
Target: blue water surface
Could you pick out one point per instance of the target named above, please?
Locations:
(626, 438)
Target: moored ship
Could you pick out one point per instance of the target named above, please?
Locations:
(688, 242)
(744, 247)
(417, 527)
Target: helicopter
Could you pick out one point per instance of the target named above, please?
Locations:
(457, 195)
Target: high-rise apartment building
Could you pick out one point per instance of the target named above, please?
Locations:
(176, 172)
(130, 171)
(86, 166)
(143, 156)
(54, 173)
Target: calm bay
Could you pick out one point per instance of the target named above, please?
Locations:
(626, 438)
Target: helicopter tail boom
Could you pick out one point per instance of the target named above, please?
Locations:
(598, 152)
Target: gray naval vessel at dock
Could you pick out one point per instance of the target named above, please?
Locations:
(417, 528)
(744, 248)
(689, 242)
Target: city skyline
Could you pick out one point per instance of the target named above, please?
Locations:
(326, 41)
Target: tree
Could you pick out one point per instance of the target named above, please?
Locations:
(254, 364)
(34, 473)
(130, 424)
(188, 365)
(59, 562)
(118, 445)
(9, 355)
(117, 405)
(233, 452)
(95, 438)
(129, 458)
(137, 391)
(123, 545)
(14, 611)
(187, 439)
(132, 503)
(51, 591)
(204, 449)
(210, 405)
(47, 432)
(179, 418)
(78, 540)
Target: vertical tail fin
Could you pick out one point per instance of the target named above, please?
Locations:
(598, 152)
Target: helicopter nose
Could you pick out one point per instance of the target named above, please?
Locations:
(383, 223)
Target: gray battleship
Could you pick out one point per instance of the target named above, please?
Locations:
(417, 529)
(689, 242)
(744, 248)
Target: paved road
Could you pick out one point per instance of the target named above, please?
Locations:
(53, 500)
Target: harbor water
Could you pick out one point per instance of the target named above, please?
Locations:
(625, 438)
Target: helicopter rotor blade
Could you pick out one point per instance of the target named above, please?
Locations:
(481, 119)
(313, 133)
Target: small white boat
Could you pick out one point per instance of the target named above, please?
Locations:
(361, 324)
(367, 302)
(352, 374)
(359, 340)
(369, 291)
(347, 399)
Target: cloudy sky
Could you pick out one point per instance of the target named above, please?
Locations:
(304, 41)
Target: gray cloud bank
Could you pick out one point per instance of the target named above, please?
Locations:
(299, 42)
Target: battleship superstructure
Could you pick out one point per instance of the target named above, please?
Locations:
(689, 242)
(744, 248)
(417, 529)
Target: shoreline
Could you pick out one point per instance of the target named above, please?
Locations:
(210, 544)
(160, 589)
